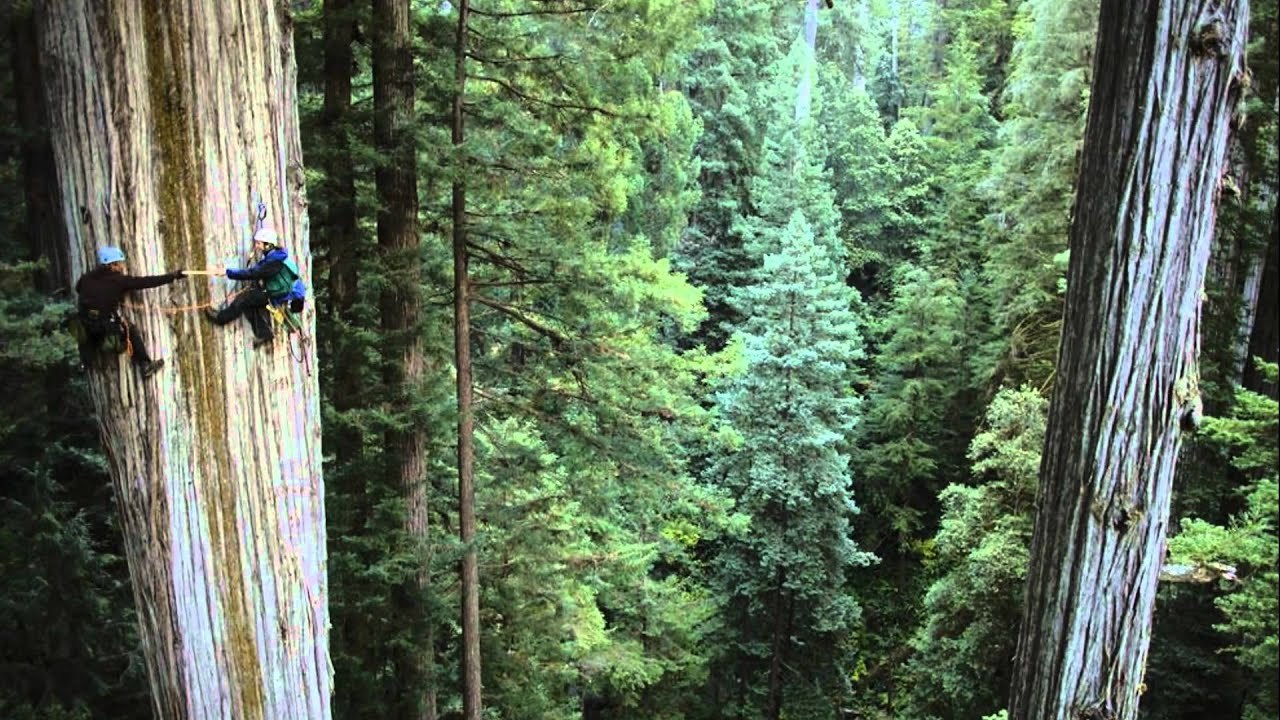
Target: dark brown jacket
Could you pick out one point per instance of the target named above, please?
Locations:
(102, 289)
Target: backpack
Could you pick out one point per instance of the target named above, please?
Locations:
(288, 287)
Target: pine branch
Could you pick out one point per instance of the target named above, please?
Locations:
(549, 103)
(515, 313)
(524, 13)
(510, 60)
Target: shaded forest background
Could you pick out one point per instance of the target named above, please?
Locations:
(765, 315)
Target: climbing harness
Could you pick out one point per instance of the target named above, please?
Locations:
(90, 328)
(285, 314)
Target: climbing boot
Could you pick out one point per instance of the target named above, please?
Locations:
(152, 367)
(259, 342)
(212, 315)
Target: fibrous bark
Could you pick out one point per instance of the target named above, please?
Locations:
(1155, 150)
(400, 305)
(170, 122)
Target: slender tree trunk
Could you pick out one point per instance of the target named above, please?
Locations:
(471, 678)
(46, 237)
(778, 646)
(339, 238)
(167, 121)
(1264, 341)
(397, 184)
(1155, 150)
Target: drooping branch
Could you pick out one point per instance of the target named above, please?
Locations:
(559, 105)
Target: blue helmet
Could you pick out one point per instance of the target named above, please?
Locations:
(110, 254)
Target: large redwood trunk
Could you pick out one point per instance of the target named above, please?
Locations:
(170, 121)
(1155, 150)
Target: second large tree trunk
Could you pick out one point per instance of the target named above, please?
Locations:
(400, 305)
(1155, 148)
(170, 121)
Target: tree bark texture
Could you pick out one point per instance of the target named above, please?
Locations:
(398, 240)
(170, 121)
(1264, 340)
(1155, 150)
(470, 570)
(338, 238)
(46, 238)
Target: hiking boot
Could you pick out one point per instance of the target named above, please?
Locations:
(151, 368)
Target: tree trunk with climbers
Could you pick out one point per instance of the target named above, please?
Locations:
(170, 122)
(1168, 81)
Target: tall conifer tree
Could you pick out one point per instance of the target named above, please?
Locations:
(793, 411)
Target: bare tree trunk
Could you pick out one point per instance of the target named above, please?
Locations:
(779, 645)
(1155, 150)
(167, 121)
(397, 184)
(45, 235)
(1264, 341)
(339, 237)
(471, 678)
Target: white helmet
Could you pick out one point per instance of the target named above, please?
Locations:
(267, 235)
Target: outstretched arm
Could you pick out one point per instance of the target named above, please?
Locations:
(142, 282)
(260, 271)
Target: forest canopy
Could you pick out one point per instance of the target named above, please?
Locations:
(659, 359)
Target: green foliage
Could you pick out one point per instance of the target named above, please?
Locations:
(720, 77)
(917, 370)
(864, 178)
(964, 648)
(1248, 437)
(791, 413)
(1032, 182)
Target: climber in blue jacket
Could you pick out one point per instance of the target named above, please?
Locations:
(275, 282)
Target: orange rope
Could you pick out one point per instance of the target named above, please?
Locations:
(168, 310)
(128, 336)
(174, 310)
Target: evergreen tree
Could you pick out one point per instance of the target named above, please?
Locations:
(576, 397)
(901, 456)
(792, 411)
(721, 78)
(963, 650)
(1032, 175)
(958, 133)
(863, 178)
(1249, 610)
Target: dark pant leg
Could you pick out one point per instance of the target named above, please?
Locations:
(252, 303)
(133, 339)
(260, 320)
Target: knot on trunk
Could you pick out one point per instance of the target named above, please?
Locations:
(1096, 711)
(1209, 39)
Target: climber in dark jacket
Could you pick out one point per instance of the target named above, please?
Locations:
(100, 292)
(273, 277)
